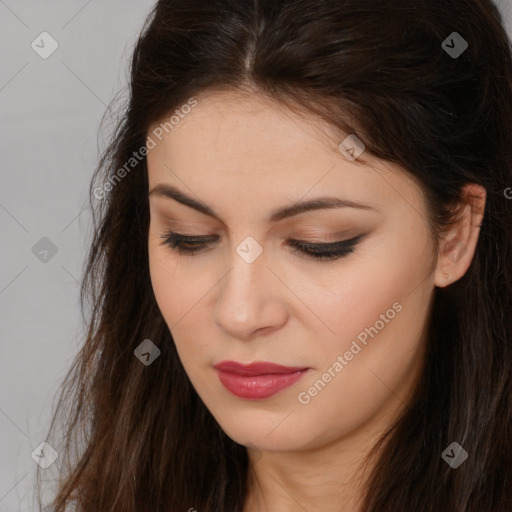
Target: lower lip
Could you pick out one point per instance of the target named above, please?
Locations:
(257, 387)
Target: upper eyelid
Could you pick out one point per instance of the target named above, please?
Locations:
(186, 228)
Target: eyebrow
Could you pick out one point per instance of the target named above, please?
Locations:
(164, 190)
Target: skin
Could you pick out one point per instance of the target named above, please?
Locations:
(244, 156)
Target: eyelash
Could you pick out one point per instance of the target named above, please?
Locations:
(321, 252)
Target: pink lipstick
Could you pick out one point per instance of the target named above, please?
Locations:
(258, 380)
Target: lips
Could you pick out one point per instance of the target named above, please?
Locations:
(258, 380)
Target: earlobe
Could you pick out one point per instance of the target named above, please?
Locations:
(457, 247)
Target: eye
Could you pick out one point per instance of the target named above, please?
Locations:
(185, 244)
(325, 252)
(189, 245)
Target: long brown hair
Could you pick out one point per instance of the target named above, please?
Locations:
(138, 438)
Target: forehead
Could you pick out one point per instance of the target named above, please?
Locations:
(244, 146)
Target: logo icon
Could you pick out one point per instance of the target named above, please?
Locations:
(454, 45)
(45, 455)
(44, 45)
(44, 249)
(352, 147)
(454, 455)
(249, 249)
(147, 352)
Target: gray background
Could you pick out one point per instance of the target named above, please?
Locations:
(50, 110)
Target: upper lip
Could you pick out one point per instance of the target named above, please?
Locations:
(257, 368)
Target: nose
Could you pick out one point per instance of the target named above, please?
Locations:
(250, 299)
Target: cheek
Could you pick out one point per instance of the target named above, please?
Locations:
(180, 295)
(163, 281)
(375, 310)
(360, 300)
(175, 288)
(346, 393)
(352, 296)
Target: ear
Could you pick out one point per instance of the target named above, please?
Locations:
(457, 246)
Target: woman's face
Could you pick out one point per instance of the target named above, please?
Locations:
(355, 323)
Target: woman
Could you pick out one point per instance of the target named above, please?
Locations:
(300, 277)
